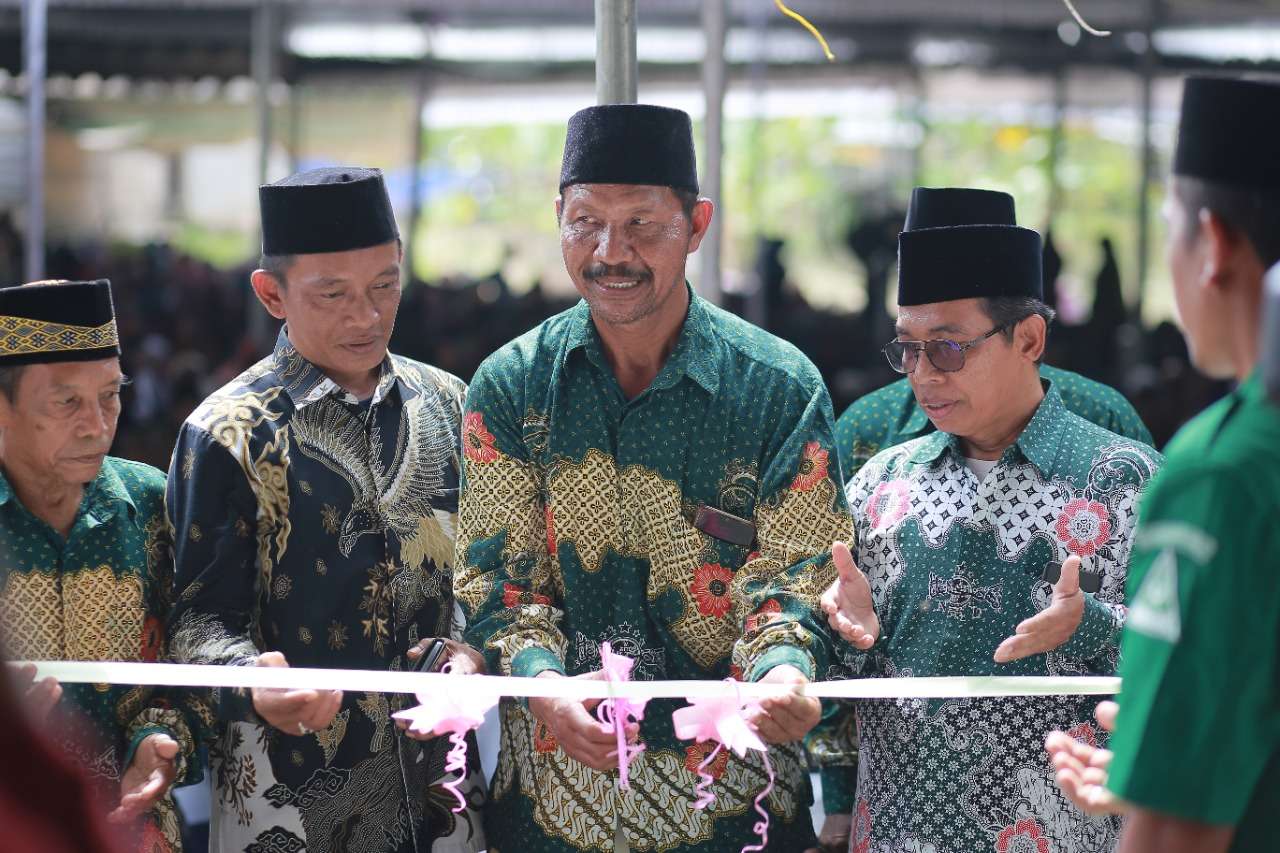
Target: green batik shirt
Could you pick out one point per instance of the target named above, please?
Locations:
(576, 527)
(1198, 735)
(955, 564)
(886, 418)
(102, 594)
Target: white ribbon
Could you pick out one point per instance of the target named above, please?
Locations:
(375, 681)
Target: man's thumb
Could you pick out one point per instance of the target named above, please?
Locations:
(1069, 582)
(845, 565)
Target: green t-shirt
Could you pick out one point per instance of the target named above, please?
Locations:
(1199, 730)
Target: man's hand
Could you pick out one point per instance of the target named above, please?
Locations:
(1082, 769)
(784, 719)
(147, 777)
(834, 837)
(1052, 626)
(460, 658)
(294, 712)
(848, 603)
(40, 697)
(574, 726)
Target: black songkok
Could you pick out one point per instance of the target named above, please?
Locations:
(1227, 132)
(630, 144)
(326, 210)
(57, 321)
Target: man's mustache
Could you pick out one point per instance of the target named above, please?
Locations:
(596, 271)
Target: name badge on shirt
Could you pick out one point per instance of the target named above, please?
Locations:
(725, 526)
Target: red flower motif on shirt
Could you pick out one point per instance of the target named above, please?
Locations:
(551, 528)
(710, 588)
(861, 828)
(813, 468)
(477, 442)
(735, 672)
(153, 840)
(1084, 733)
(1025, 836)
(1084, 527)
(543, 740)
(514, 596)
(152, 638)
(696, 753)
(888, 504)
(764, 614)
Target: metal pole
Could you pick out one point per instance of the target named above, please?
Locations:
(616, 72)
(264, 48)
(1148, 71)
(34, 34)
(714, 82)
(757, 307)
(419, 153)
(1056, 135)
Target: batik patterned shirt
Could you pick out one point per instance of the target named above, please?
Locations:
(888, 417)
(955, 564)
(577, 527)
(313, 524)
(102, 594)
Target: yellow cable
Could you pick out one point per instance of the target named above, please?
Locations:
(831, 57)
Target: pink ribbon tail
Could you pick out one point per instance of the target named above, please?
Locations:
(457, 760)
(761, 827)
(702, 789)
(609, 713)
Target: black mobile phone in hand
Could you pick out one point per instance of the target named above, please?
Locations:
(431, 659)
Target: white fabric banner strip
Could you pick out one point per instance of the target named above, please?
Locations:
(371, 681)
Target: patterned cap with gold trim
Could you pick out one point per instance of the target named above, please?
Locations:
(57, 321)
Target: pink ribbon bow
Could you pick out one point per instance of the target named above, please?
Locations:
(617, 712)
(724, 721)
(454, 713)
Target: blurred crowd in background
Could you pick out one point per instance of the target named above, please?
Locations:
(188, 327)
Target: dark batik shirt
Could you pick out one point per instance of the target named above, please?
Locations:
(313, 524)
(102, 594)
(577, 527)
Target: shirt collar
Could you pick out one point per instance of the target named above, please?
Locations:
(305, 383)
(694, 355)
(106, 492)
(1038, 442)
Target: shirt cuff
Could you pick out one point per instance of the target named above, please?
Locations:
(1099, 628)
(778, 655)
(530, 661)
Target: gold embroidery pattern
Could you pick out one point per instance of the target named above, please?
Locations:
(103, 614)
(330, 737)
(24, 336)
(31, 616)
(584, 500)
(501, 496)
(577, 804)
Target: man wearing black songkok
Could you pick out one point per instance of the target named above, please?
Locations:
(313, 501)
(649, 471)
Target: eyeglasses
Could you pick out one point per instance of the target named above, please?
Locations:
(945, 355)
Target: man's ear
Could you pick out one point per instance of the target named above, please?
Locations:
(559, 208)
(1030, 336)
(1222, 247)
(269, 292)
(703, 211)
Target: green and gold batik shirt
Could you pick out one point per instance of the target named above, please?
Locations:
(577, 527)
(102, 594)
